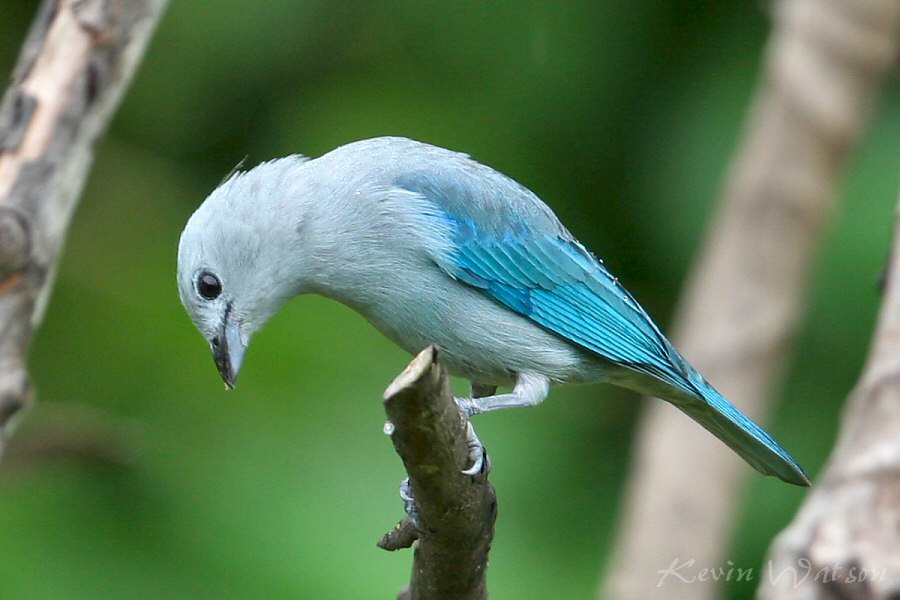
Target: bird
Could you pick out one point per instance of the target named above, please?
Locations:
(432, 247)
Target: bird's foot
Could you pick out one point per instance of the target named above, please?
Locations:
(530, 390)
(481, 464)
(469, 406)
(409, 503)
(477, 455)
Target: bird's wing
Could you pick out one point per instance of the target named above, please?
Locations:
(522, 257)
(561, 286)
(516, 251)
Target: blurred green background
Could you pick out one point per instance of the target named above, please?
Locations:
(622, 115)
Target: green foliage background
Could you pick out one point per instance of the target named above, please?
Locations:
(622, 115)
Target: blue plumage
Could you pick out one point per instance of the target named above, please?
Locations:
(549, 277)
(433, 247)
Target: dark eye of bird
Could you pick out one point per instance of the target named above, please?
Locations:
(209, 286)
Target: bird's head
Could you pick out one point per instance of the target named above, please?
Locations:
(238, 260)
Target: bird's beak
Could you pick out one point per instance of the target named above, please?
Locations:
(228, 352)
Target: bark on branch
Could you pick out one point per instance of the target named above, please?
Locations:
(75, 65)
(455, 513)
(844, 541)
(744, 302)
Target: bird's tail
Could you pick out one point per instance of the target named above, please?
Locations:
(694, 396)
(711, 410)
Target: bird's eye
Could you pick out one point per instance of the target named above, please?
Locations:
(209, 286)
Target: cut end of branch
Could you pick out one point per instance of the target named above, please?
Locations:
(413, 373)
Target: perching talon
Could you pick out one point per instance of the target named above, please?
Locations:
(409, 503)
(477, 454)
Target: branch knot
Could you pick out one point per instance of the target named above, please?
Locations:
(15, 242)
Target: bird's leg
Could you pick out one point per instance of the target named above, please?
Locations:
(482, 390)
(530, 390)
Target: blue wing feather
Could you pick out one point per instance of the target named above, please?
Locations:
(515, 250)
(508, 244)
(556, 283)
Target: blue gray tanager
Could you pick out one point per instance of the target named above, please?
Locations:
(433, 247)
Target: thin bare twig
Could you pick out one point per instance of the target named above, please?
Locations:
(455, 513)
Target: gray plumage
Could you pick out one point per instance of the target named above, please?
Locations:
(433, 247)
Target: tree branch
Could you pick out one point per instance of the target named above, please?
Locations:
(845, 535)
(455, 513)
(744, 301)
(74, 67)
(67, 431)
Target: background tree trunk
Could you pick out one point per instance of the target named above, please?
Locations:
(844, 541)
(77, 61)
(746, 297)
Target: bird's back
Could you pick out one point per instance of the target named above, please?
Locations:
(503, 244)
(496, 236)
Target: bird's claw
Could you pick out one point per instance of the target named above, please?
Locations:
(477, 455)
(409, 503)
